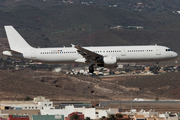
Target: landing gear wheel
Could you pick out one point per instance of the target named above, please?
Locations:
(91, 69)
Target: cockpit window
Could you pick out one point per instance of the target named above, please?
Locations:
(168, 49)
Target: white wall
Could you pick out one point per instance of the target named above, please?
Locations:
(52, 111)
(102, 113)
(88, 112)
(45, 104)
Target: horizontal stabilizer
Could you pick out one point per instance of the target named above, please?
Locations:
(16, 52)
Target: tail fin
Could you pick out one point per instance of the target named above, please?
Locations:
(16, 41)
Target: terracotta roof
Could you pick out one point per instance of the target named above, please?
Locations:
(139, 116)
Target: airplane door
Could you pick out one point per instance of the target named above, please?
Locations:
(158, 51)
(123, 52)
(33, 53)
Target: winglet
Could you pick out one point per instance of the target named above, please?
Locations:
(73, 45)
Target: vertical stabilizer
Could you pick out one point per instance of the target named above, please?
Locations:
(16, 41)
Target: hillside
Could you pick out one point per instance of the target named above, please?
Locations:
(63, 24)
(16, 85)
(167, 36)
(54, 24)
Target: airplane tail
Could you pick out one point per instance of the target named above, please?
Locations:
(16, 41)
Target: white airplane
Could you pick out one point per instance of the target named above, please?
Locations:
(101, 56)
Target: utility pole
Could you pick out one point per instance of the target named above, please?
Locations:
(131, 105)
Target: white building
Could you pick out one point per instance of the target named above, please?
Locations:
(40, 99)
(106, 113)
(52, 111)
(88, 112)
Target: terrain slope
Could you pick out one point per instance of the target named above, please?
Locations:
(16, 85)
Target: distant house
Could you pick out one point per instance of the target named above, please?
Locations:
(135, 27)
(80, 116)
(2, 107)
(17, 117)
(124, 117)
(171, 116)
(178, 12)
(140, 3)
(119, 27)
(27, 114)
(155, 117)
(48, 117)
(112, 5)
(139, 117)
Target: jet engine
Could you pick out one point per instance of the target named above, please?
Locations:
(110, 62)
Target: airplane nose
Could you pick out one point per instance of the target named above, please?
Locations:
(175, 54)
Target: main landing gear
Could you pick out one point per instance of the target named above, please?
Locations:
(157, 63)
(91, 69)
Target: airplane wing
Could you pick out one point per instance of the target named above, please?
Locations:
(90, 55)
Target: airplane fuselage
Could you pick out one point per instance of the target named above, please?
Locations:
(122, 53)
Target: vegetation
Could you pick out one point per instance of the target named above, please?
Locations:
(74, 117)
(113, 117)
(27, 98)
(119, 115)
(103, 117)
(154, 69)
(87, 118)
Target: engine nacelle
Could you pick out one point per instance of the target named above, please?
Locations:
(110, 62)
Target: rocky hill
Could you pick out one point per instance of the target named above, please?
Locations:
(63, 24)
(16, 85)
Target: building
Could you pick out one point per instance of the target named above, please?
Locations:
(38, 103)
(40, 99)
(78, 115)
(124, 117)
(171, 116)
(17, 117)
(5, 113)
(88, 112)
(5, 107)
(48, 117)
(138, 117)
(135, 27)
(52, 111)
(155, 117)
